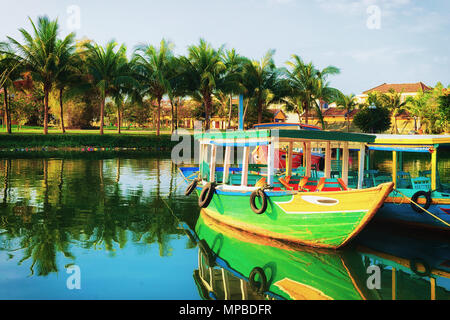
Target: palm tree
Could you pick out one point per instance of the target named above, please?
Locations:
(261, 80)
(177, 89)
(9, 72)
(234, 64)
(347, 102)
(393, 101)
(310, 85)
(68, 73)
(40, 55)
(108, 71)
(154, 66)
(204, 71)
(416, 107)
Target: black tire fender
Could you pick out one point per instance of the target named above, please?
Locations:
(191, 187)
(260, 194)
(416, 196)
(206, 195)
(260, 286)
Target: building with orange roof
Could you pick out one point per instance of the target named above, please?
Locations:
(405, 89)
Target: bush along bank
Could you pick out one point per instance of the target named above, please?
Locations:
(85, 142)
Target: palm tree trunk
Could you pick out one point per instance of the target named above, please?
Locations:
(102, 114)
(61, 110)
(172, 116)
(176, 113)
(245, 111)
(348, 121)
(230, 112)
(7, 119)
(299, 116)
(260, 108)
(119, 119)
(306, 108)
(395, 125)
(46, 93)
(208, 104)
(158, 117)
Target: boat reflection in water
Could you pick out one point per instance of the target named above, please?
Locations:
(234, 264)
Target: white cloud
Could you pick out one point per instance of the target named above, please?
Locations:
(384, 55)
(360, 7)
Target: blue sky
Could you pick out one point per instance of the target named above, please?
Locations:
(411, 44)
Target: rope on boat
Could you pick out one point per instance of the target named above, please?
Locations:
(425, 210)
(183, 225)
(185, 179)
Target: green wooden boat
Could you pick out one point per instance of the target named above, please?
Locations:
(320, 212)
(411, 267)
(291, 272)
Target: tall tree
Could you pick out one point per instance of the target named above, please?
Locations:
(261, 80)
(416, 106)
(234, 64)
(394, 102)
(310, 85)
(39, 54)
(348, 103)
(203, 71)
(178, 88)
(154, 66)
(68, 73)
(108, 71)
(9, 72)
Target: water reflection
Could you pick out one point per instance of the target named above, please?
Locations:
(409, 267)
(124, 220)
(55, 206)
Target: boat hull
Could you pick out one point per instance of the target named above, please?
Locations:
(320, 219)
(295, 272)
(397, 208)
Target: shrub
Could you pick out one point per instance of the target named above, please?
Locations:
(373, 120)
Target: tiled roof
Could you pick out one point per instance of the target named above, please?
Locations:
(400, 87)
(337, 112)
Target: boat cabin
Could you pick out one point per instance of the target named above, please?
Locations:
(225, 158)
(425, 178)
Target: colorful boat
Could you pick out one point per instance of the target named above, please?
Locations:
(235, 265)
(291, 206)
(245, 266)
(424, 186)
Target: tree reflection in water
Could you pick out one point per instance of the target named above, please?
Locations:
(50, 206)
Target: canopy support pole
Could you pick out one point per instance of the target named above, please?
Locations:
(345, 156)
(270, 163)
(289, 159)
(394, 168)
(328, 160)
(434, 169)
(244, 178)
(212, 165)
(362, 152)
(307, 155)
(226, 164)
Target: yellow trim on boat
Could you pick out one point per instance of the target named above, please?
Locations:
(300, 291)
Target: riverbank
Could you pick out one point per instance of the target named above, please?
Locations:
(86, 141)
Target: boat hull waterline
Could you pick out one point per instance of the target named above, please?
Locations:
(319, 219)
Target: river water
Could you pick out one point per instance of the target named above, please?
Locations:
(122, 225)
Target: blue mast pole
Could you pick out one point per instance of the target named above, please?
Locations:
(241, 112)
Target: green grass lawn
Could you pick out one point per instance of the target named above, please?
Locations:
(56, 130)
(33, 137)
